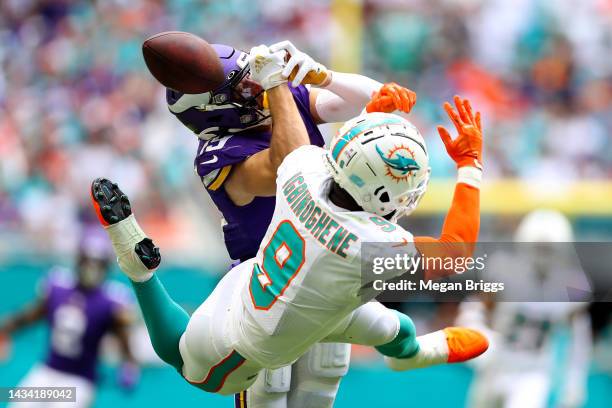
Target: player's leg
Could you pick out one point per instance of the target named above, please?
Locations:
(394, 335)
(312, 381)
(196, 347)
(317, 374)
(206, 347)
(373, 324)
(138, 257)
(268, 391)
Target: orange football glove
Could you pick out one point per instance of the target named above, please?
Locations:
(466, 149)
(391, 97)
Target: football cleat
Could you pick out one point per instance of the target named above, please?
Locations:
(110, 203)
(450, 345)
(137, 255)
(148, 253)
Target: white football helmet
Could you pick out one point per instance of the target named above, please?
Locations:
(544, 225)
(381, 160)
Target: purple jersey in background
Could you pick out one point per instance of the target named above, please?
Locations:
(246, 225)
(78, 320)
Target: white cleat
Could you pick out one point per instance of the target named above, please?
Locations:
(449, 345)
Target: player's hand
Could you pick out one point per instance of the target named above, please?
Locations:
(466, 148)
(266, 66)
(391, 97)
(301, 68)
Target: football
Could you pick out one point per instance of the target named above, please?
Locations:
(183, 62)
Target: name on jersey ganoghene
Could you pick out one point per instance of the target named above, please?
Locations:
(333, 236)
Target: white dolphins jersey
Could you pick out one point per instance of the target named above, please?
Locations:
(306, 277)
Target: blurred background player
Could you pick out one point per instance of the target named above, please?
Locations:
(540, 351)
(237, 166)
(80, 309)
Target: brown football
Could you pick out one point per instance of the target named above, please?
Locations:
(183, 62)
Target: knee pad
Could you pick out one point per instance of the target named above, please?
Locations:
(317, 375)
(268, 391)
(329, 360)
(277, 380)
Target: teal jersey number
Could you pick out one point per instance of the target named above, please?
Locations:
(283, 258)
(385, 225)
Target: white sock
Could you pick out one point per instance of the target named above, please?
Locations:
(124, 236)
(433, 350)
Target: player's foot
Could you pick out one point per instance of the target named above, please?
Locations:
(136, 253)
(110, 203)
(450, 345)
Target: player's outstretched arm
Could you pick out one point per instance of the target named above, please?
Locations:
(256, 176)
(462, 223)
(340, 96)
(29, 315)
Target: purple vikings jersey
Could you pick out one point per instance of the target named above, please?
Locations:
(78, 320)
(244, 226)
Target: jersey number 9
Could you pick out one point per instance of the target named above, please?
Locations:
(283, 257)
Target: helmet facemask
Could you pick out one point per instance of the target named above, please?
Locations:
(408, 202)
(244, 95)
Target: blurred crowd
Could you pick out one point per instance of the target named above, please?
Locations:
(76, 101)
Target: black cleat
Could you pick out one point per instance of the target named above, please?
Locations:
(148, 253)
(110, 203)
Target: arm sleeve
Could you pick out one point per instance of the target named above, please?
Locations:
(461, 225)
(218, 154)
(345, 97)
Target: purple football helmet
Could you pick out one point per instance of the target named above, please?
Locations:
(234, 106)
(94, 256)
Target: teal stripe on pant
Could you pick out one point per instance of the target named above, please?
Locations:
(218, 373)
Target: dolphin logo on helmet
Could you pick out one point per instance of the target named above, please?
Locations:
(400, 163)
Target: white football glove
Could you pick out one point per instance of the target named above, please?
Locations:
(267, 66)
(301, 68)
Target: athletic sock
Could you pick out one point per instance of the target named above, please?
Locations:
(432, 351)
(166, 321)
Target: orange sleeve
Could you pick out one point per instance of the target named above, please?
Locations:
(459, 233)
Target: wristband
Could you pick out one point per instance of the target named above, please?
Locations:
(469, 175)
